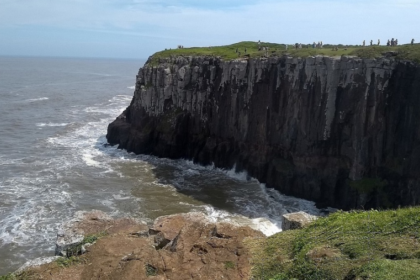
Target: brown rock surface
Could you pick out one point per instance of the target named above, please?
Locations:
(296, 220)
(196, 249)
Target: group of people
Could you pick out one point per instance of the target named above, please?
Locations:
(390, 43)
(318, 45)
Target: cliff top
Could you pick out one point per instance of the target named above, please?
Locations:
(375, 245)
(254, 49)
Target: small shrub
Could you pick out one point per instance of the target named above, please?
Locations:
(151, 270)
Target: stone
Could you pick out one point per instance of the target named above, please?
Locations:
(296, 220)
(72, 232)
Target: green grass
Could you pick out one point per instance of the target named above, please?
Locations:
(20, 276)
(345, 245)
(9, 276)
(66, 262)
(228, 52)
(76, 250)
(151, 270)
(229, 265)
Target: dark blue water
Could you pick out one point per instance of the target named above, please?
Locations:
(54, 161)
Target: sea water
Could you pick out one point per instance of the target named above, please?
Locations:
(54, 160)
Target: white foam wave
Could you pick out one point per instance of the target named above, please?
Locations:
(36, 99)
(242, 175)
(88, 159)
(264, 225)
(51, 124)
(132, 87)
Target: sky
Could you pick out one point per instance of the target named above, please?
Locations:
(139, 28)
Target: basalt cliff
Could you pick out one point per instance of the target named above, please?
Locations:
(341, 131)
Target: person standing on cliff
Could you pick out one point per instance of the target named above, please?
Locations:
(412, 41)
(379, 42)
(371, 42)
(364, 43)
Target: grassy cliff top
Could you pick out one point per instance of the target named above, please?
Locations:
(375, 245)
(406, 52)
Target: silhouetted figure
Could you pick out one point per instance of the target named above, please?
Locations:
(364, 43)
(392, 42)
(412, 41)
(371, 42)
(396, 42)
(388, 43)
(379, 42)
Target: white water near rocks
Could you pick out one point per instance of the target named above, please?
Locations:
(54, 160)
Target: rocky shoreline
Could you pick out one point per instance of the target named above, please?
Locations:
(180, 246)
(340, 131)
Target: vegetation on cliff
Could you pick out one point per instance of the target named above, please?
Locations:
(407, 52)
(345, 245)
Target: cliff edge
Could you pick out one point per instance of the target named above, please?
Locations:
(341, 131)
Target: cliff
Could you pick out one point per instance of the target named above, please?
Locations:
(341, 131)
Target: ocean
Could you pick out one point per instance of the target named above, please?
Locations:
(54, 160)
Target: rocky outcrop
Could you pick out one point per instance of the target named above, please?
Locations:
(195, 248)
(72, 233)
(341, 131)
(296, 220)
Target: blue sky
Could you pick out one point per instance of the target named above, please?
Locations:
(138, 28)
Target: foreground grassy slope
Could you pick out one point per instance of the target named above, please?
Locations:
(409, 52)
(377, 245)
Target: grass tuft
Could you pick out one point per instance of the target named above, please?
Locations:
(229, 265)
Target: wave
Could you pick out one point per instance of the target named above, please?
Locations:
(132, 87)
(36, 99)
(51, 124)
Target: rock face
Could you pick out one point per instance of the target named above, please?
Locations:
(344, 132)
(296, 220)
(72, 232)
